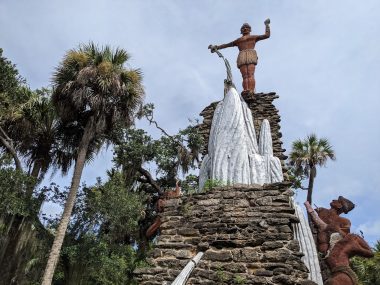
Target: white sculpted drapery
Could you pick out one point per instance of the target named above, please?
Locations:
(234, 156)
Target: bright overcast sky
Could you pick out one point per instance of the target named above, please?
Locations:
(323, 59)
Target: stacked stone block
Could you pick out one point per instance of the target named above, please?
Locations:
(244, 231)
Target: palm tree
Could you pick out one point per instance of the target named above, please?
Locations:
(94, 95)
(37, 133)
(11, 107)
(306, 155)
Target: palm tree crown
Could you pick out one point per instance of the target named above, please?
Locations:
(93, 82)
(309, 153)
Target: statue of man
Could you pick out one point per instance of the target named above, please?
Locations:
(332, 215)
(334, 235)
(247, 58)
(334, 222)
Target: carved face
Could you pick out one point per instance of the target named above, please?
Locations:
(245, 29)
(335, 204)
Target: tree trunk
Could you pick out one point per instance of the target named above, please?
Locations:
(60, 233)
(34, 173)
(36, 169)
(313, 173)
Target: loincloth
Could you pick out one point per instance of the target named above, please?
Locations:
(345, 269)
(248, 56)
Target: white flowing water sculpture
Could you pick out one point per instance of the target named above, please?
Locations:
(303, 234)
(233, 153)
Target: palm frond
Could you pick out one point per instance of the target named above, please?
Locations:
(310, 152)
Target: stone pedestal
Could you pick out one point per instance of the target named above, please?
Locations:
(244, 231)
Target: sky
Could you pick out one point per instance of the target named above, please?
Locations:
(322, 59)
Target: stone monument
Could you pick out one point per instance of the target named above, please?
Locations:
(240, 233)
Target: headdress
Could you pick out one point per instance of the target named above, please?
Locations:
(347, 205)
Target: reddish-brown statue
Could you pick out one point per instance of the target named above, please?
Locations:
(334, 222)
(247, 59)
(336, 241)
(338, 259)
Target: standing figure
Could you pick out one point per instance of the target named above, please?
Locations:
(334, 220)
(342, 244)
(247, 58)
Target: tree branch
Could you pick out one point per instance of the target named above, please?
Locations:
(142, 180)
(149, 179)
(152, 121)
(7, 143)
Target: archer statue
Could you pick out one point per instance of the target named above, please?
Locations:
(247, 58)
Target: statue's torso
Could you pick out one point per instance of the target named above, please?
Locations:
(246, 42)
(335, 224)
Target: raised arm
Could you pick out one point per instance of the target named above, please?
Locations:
(314, 216)
(267, 31)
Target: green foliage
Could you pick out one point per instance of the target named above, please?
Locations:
(133, 149)
(92, 82)
(296, 177)
(308, 153)
(170, 153)
(37, 134)
(13, 91)
(213, 183)
(116, 206)
(221, 275)
(304, 158)
(9, 76)
(100, 245)
(239, 279)
(96, 262)
(190, 184)
(14, 186)
(368, 270)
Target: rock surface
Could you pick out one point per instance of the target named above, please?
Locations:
(244, 231)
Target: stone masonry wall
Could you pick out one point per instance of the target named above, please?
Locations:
(244, 231)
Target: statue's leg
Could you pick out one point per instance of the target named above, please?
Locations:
(245, 75)
(251, 77)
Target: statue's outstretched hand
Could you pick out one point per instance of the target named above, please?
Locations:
(213, 48)
(267, 22)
